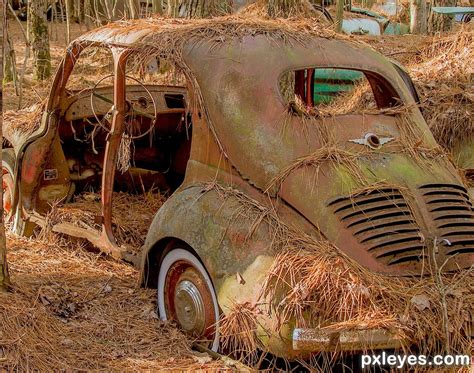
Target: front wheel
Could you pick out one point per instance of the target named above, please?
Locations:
(186, 295)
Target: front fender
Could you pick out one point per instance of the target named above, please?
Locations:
(217, 226)
(234, 241)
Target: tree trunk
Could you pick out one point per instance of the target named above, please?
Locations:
(79, 11)
(9, 67)
(88, 15)
(68, 20)
(157, 7)
(134, 7)
(287, 8)
(173, 8)
(339, 15)
(39, 38)
(418, 17)
(440, 22)
(4, 278)
(199, 8)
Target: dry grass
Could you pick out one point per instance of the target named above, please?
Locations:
(72, 310)
(329, 154)
(131, 220)
(19, 124)
(238, 329)
(445, 81)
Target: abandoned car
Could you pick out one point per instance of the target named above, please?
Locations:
(256, 138)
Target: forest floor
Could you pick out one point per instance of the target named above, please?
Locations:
(73, 310)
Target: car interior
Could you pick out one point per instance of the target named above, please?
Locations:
(153, 153)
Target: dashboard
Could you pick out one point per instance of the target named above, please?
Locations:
(168, 99)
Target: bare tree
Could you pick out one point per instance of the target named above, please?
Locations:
(38, 33)
(157, 6)
(199, 8)
(286, 8)
(418, 17)
(339, 15)
(4, 278)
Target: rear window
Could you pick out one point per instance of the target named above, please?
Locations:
(335, 91)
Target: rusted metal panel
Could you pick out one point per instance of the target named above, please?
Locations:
(231, 77)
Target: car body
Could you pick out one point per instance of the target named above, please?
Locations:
(237, 142)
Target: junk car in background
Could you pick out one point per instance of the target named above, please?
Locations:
(245, 139)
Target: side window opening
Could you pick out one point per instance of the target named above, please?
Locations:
(335, 91)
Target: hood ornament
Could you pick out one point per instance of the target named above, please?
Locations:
(372, 140)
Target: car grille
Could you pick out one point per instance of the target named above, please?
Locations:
(382, 221)
(453, 216)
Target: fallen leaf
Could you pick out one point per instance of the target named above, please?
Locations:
(204, 359)
(421, 302)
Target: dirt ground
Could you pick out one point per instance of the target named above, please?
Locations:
(75, 310)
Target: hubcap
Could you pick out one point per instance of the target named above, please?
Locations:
(189, 307)
(188, 300)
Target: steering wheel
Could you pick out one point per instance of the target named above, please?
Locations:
(131, 109)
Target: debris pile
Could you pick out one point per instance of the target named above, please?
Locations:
(132, 214)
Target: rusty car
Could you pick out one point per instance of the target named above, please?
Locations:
(230, 123)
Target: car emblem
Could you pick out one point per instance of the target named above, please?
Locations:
(372, 141)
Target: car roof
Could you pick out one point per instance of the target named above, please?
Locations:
(145, 33)
(253, 41)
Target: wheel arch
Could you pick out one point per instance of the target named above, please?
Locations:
(207, 224)
(154, 256)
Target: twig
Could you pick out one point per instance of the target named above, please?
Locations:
(442, 292)
(99, 292)
(25, 60)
